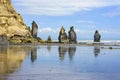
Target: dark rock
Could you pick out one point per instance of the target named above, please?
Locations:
(34, 29)
(72, 35)
(3, 40)
(97, 36)
(49, 40)
(62, 36)
(110, 48)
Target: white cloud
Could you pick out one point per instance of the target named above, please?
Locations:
(48, 30)
(56, 31)
(86, 22)
(59, 7)
(78, 31)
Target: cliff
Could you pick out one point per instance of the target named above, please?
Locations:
(11, 22)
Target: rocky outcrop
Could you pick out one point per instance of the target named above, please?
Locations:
(97, 36)
(49, 40)
(34, 30)
(72, 35)
(62, 36)
(11, 23)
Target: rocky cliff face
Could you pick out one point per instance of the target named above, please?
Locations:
(11, 23)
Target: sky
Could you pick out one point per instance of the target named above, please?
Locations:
(85, 15)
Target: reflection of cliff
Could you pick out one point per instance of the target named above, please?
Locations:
(11, 58)
(63, 50)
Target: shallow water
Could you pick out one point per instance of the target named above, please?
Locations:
(59, 62)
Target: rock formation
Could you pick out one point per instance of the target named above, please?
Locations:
(62, 36)
(72, 35)
(11, 23)
(97, 36)
(34, 29)
(49, 40)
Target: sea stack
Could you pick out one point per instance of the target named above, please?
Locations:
(11, 22)
(34, 29)
(72, 36)
(97, 36)
(62, 36)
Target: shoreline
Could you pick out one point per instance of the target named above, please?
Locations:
(65, 44)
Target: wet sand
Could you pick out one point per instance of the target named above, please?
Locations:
(54, 61)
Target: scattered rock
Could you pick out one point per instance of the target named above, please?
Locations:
(110, 48)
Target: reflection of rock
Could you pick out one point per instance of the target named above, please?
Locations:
(33, 54)
(71, 52)
(96, 50)
(62, 36)
(3, 49)
(97, 36)
(72, 35)
(11, 58)
(49, 48)
(62, 51)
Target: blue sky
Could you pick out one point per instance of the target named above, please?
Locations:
(85, 15)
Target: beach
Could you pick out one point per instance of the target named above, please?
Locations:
(59, 61)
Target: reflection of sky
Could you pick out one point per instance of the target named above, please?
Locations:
(83, 65)
(83, 59)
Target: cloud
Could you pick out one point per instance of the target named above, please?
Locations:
(86, 22)
(78, 31)
(59, 7)
(48, 30)
(113, 12)
(56, 31)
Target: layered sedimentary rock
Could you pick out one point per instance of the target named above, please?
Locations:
(72, 35)
(34, 29)
(62, 36)
(11, 23)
